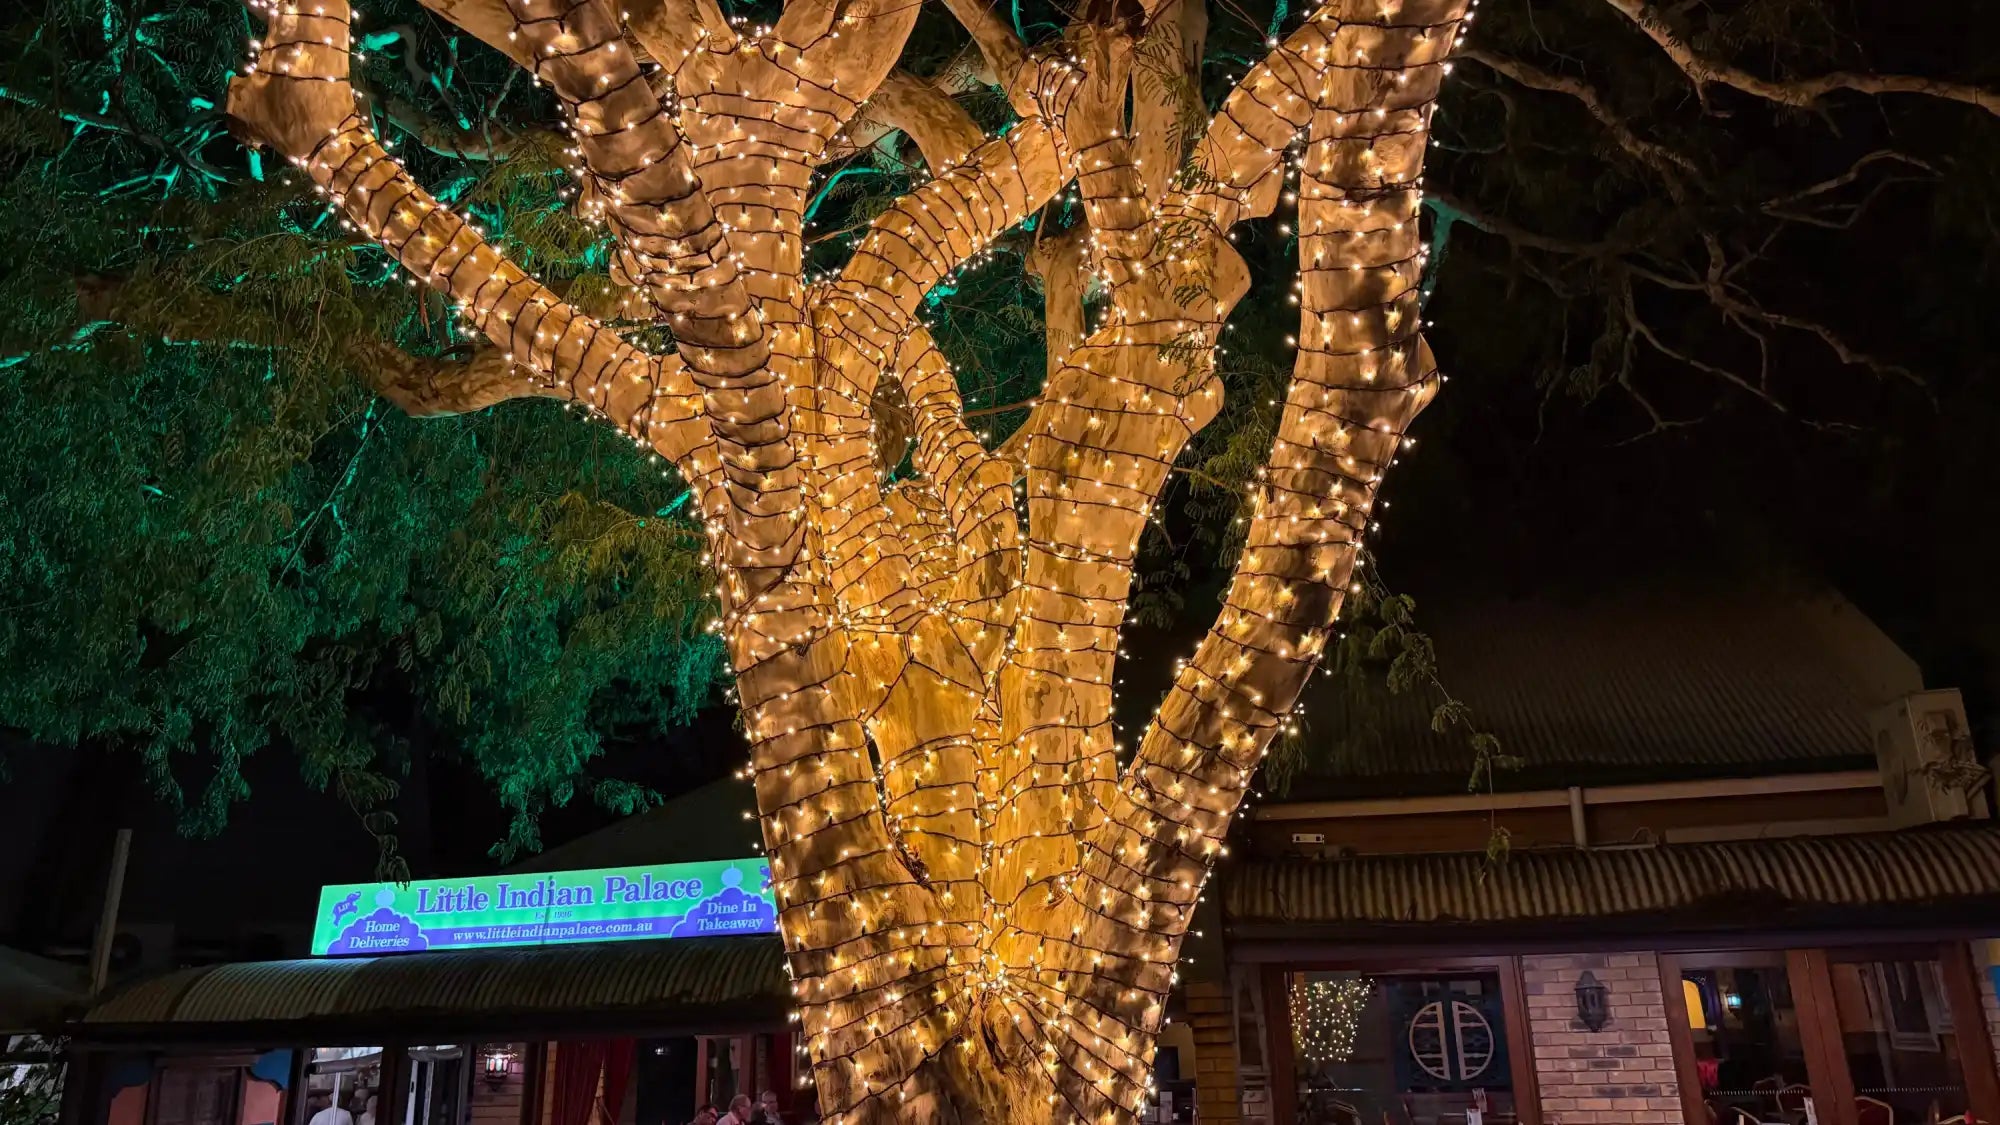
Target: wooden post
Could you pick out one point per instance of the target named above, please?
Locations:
(107, 922)
(1819, 1028)
(1521, 1043)
(1680, 1032)
(1279, 1056)
(1968, 1021)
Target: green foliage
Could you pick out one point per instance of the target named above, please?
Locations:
(217, 542)
(30, 1093)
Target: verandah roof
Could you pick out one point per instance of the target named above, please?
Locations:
(718, 985)
(1938, 876)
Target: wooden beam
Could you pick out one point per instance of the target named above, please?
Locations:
(1680, 1032)
(1819, 1028)
(1521, 1043)
(1968, 1021)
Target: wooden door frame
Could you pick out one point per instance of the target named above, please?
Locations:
(1811, 978)
(1280, 1067)
(1968, 1022)
(533, 1060)
(1680, 1034)
(1521, 1049)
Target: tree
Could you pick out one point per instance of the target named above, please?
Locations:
(982, 909)
(982, 894)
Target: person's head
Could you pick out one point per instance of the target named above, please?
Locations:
(317, 1102)
(769, 1100)
(740, 1106)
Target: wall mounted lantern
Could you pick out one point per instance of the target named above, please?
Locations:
(498, 1063)
(1593, 1002)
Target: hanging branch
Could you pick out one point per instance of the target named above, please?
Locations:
(1803, 92)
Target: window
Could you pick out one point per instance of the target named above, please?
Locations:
(1833, 1037)
(438, 1081)
(1400, 1049)
(197, 1095)
(341, 1082)
(1748, 1048)
(1897, 1034)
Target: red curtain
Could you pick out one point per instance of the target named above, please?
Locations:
(618, 1055)
(578, 1065)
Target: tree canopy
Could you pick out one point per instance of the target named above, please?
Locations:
(222, 536)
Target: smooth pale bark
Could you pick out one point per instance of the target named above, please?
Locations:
(981, 908)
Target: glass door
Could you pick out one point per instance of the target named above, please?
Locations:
(1899, 1040)
(1749, 1047)
(437, 1086)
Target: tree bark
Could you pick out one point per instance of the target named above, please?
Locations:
(982, 909)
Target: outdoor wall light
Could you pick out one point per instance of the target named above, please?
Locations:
(498, 1062)
(1593, 1002)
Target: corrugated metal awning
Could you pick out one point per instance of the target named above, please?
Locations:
(1909, 877)
(34, 990)
(698, 984)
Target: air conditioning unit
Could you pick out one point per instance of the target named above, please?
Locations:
(1930, 772)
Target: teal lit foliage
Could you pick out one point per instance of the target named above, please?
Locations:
(217, 540)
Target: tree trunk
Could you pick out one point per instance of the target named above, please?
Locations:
(982, 905)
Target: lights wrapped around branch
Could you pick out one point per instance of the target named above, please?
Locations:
(977, 903)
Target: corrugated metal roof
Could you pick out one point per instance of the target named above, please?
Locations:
(720, 982)
(1769, 882)
(1647, 686)
(32, 989)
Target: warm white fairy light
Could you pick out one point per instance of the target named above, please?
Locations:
(1326, 1017)
(977, 902)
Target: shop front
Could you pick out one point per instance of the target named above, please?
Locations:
(1841, 980)
(628, 996)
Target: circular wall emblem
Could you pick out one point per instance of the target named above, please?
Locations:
(1451, 1040)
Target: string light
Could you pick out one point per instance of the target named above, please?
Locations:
(1326, 1017)
(976, 900)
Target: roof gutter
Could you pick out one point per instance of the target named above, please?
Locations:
(1574, 798)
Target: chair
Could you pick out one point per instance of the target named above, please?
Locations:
(1868, 1111)
(1737, 1115)
(1793, 1098)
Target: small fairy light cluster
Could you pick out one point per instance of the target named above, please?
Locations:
(978, 902)
(1326, 1017)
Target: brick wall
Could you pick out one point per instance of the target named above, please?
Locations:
(1213, 1022)
(1621, 1075)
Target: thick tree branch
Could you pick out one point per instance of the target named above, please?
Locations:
(1167, 110)
(1059, 262)
(1671, 165)
(940, 128)
(1361, 376)
(1703, 70)
(1006, 56)
(434, 387)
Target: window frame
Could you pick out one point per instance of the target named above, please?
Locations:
(1809, 973)
(1279, 1053)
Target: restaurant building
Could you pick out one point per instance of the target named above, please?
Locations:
(626, 992)
(1745, 872)
(1749, 877)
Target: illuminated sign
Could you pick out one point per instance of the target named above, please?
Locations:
(669, 900)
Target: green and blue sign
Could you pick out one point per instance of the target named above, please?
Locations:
(669, 900)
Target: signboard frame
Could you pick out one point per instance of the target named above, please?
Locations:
(659, 901)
